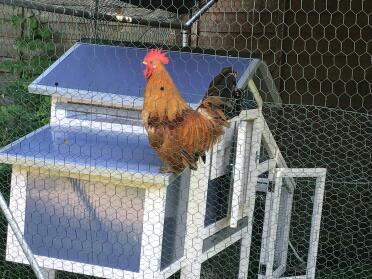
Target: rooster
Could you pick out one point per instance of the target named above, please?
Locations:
(179, 134)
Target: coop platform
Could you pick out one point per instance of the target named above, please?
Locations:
(85, 150)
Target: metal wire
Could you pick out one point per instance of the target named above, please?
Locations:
(81, 214)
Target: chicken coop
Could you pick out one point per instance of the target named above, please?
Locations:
(82, 193)
(93, 198)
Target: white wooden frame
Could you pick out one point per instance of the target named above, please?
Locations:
(284, 240)
(197, 203)
(246, 171)
(249, 196)
(280, 173)
(245, 140)
(270, 165)
(58, 117)
(240, 174)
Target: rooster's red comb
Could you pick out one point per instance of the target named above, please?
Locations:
(157, 54)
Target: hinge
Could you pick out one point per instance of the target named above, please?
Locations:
(271, 187)
(262, 269)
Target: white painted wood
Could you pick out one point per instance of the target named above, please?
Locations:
(49, 273)
(275, 153)
(145, 179)
(250, 114)
(315, 225)
(270, 84)
(96, 97)
(239, 172)
(17, 205)
(152, 232)
(195, 221)
(273, 225)
(247, 75)
(101, 126)
(54, 115)
(302, 172)
(173, 268)
(253, 161)
(266, 166)
(295, 277)
(245, 246)
(250, 195)
(222, 245)
(86, 269)
(216, 227)
(101, 103)
(282, 242)
(282, 173)
(265, 229)
(285, 239)
(220, 153)
(18, 234)
(253, 88)
(59, 117)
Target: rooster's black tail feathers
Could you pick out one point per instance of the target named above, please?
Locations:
(223, 86)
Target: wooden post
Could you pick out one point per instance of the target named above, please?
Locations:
(195, 222)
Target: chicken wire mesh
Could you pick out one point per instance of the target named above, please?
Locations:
(318, 54)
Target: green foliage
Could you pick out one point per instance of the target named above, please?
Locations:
(35, 47)
(21, 112)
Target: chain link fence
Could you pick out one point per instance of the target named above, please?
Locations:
(83, 182)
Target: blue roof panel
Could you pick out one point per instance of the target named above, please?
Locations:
(119, 71)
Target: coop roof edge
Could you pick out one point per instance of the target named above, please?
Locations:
(256, 70)
(138, 178)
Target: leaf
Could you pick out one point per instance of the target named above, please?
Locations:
(36, 44)
(32, 22)
(31, 27)
(49, 46)
(40, 61)
(17, 20)
(44, 32)
(21, 45)
(7, 65)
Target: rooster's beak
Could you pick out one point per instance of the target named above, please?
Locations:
(144, 62)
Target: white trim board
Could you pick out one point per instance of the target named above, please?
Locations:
(129, 176)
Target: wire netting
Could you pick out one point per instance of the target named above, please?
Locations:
(81, 174)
